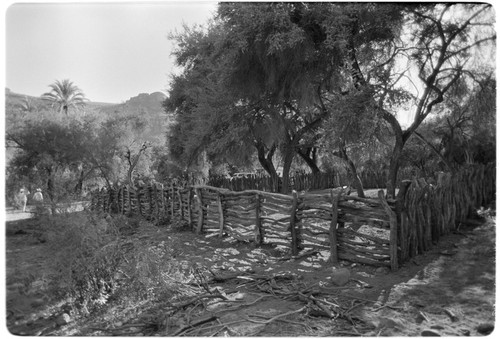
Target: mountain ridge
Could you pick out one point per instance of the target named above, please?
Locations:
(142, 98)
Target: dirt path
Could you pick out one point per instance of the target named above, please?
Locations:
(449, 291)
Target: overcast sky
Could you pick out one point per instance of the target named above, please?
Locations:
(111, 51)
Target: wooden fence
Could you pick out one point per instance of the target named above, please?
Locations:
(426, 212)
(373, 231)
(327, 221)
(299, 181)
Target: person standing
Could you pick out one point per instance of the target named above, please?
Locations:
(22, 198)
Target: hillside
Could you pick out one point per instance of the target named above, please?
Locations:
(146, 105)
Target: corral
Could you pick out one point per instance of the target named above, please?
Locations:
(320, 221)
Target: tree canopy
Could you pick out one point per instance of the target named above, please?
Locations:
(285, 64)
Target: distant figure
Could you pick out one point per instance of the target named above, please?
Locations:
(22, 199)
(38, 196)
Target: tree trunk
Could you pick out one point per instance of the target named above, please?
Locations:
(133, 164)
(394, 168)
(287, 164)
(309, 156)
(266, 161)
(358, 184)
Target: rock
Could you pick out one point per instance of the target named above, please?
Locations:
(437, 327)
(429, 333)
(485, 328)
(63, 319)
(340, 276)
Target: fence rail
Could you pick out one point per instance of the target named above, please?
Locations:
(373, 231)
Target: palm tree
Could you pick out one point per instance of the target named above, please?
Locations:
(27, 105)
(65, 95)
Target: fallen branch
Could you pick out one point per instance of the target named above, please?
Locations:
(223, 325)
(388, 306)
(450, 314)
(276, 317)
(242, 305)
(197, 298)
(196, 323)
(325, 310)
(284, 320)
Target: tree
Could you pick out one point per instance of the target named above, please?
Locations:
(301, 57)
(440, 45)
(295, 64)
(210, 119)
(47, 148)
(464, 129)
(65, 95)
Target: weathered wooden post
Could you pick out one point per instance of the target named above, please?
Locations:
(139, 196)
(172, 196)
(199, 227)
(334, 258)
(293, 213)
(157, 204)
(402, 218)
(129, 201)
(164, 208)
(190, 212)
(221, 214)
(259, 234)
(393, 246)
(150, 198)
(181, 205)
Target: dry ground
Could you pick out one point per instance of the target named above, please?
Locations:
(448, 291)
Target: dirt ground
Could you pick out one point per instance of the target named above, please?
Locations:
(448, 291)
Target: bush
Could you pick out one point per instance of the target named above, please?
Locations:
(155, 273)
(86, 253)
(95, 261)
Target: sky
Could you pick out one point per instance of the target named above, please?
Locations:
(112, 51)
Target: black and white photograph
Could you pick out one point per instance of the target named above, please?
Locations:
(249, 169)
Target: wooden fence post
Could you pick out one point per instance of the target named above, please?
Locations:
(259, 235)
(181, 205)
(221, 214)
(402, 217)
(334, 258)
(157, 204)
(139, 203)
(199, 228)
(393, 246)
(172, 196)
(293, 212)
(190, 213)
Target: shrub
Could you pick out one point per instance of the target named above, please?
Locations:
(86, 256)
(95, 261)
(155, 273)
